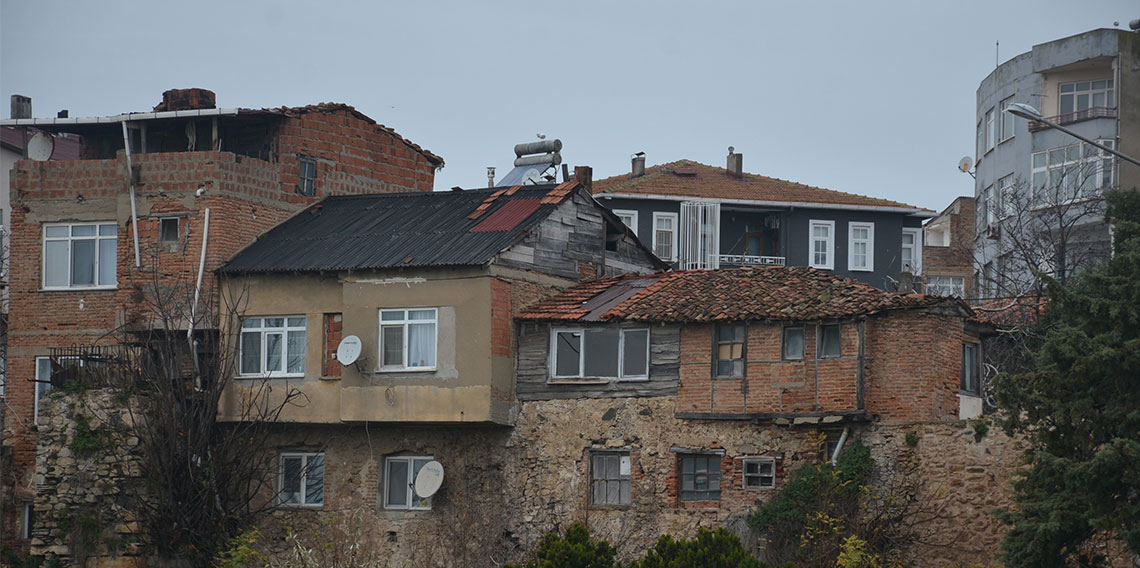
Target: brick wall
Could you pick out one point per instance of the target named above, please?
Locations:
(333, 329)
(914, 366)
(246, 197)
(957, 259)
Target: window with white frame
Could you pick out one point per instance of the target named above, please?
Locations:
(302, 479)
(80, 255)
(272, 346)
(1007, 122)
(610, 478)
(946, 286)
(629, 217)
(911, 250)
(665, 236)
(700, 477)
(759, 473)
(861, 246)
(830, 341)
(408, 339)
(1007, 200)
(1071, 172)
(989, 203)
(600, 352)
(399, 482)
(991, 130)
(1083, 95)
(822, 240)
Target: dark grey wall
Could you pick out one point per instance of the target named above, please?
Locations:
(532, 373)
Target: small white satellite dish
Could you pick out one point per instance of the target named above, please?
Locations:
(429, 479)
(41, 146)
(965, 164)
(533, 175)
(349, 350)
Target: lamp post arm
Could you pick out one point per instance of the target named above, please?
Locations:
(1125, 157)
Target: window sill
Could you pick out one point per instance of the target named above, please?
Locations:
(969, 394)
(408, 370)
(1000, 142)
(569, 381)
(271, 376)
(301, 507)
(862, 269)
(821, 267)
(82, 289)
(625, 507)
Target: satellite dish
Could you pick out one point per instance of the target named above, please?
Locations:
(429, 479)
(965, 164)
(349, 350)
(532, 175)
(41, 146)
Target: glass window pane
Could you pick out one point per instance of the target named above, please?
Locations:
(250, 353)
(107, 268)
(829, 341)
(1082, 101)
(794, 343)
(421, 345)
(599, 493)
(421, 314)
(1067, 88)
(625, 498)
(601, 352)
(634, 363)
(55, 263)
(291, 480)
(1066, 104)
(397, 483)
(274, 322)
(1083, 85)
(315, 480)
(273, 358)
(297, 322)
(83, 262)
(108, 230)
(56, 231)
(83, 230)
(567, 353)
(392, 345)
(1098, 99)
(392, 315)
(688, 464)
(599, 466)
(251, 322)
(296, 348)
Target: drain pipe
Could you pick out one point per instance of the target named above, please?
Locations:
(131, 183)
(839, 446)
(194, 307)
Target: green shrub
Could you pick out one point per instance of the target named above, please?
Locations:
(711, 549)
(575, 550)
(912, 439)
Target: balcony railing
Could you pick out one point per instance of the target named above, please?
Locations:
(1071, 117)
(749, 260)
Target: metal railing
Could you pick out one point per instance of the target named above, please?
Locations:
(749, 260)
(1076, 116)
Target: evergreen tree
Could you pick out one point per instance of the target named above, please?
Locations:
(1079, 408)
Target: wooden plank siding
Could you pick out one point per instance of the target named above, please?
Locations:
(533, 375)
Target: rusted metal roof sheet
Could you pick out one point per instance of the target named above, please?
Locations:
(355, 232)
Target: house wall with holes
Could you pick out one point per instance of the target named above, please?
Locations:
(71, 289)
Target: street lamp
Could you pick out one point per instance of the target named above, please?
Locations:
(1029, 113)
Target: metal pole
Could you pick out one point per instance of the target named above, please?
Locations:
(131, 183)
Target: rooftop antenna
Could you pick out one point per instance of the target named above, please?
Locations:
(997, 45)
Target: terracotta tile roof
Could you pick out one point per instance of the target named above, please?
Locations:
(337, 107)
(685, 178)
(763, 293)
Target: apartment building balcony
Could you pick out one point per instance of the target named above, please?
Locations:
(1074, 117)
(750, 260)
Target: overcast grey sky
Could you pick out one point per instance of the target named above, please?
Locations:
(868, 97)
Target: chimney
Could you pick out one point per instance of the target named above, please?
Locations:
(638, 164)
(735, 164)
(21, 106)
(585, 176)
(61, 114)
(186, 99)
(490, 176)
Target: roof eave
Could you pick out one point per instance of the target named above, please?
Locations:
(910, 211)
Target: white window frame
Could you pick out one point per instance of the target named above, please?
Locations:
(1004, 194)
(69, 239)
(869, 266)
(991, 130)
(1008, 124)
(829, 244)
(946, 286)
(264, 331)
(1108, 90)
(581, 332)
(629, 214)
(304, 475)
(405, 323)
(414, 502)
(674, 234)
(624, 477)
(759, 461)
(989, 203)
(916, 253)
(1069, 170)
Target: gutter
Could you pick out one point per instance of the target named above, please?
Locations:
(913, 211)
(129, 116)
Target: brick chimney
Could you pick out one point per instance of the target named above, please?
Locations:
(585, 176)
(735, 164)
(186, 99)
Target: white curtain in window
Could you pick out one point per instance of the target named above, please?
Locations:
(421, 345)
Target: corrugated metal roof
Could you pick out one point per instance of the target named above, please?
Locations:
(396, 230)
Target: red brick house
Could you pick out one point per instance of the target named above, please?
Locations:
(949, 251)
(157, 199)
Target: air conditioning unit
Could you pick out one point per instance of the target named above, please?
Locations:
(993, 231)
